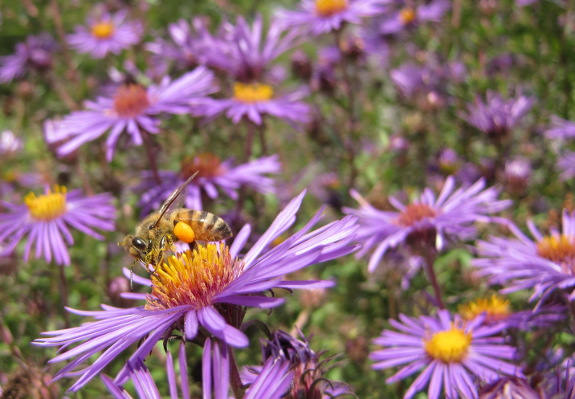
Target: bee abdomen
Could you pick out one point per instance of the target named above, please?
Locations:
(206, 225)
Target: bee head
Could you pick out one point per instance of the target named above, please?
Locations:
(136, 246)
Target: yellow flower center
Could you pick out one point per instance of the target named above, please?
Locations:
(205, 163)
(102, 30)
(193, 277)
(449, 346)
(559, 249)
(407, 16)
(495, 308)
(327, 8)
(414, 213)
(252, 92)
(131, 100)
(48, 206)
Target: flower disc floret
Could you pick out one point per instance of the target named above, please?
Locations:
(252, 92)
(131, 100)
(205, 164)
(414, 213)
(495, 308)
(193, 277)
(48, 206)
(449, 346)
(559, 249)
(407, 15)
(102, 30)
(327, 8)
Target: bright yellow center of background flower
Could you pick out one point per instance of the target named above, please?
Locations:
(252, 92)
(131, 100)
(102, 30)
(327, 8)
(48, 206)
(449, 346)
(414, 213)
(556, 248)
(495, 308)
(407, 16)
(193, 277)
(205, 163)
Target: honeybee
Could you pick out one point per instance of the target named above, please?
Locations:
(158, 231)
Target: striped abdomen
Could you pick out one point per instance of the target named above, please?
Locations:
(206, 225)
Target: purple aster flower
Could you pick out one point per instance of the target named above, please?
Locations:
(308, 368)
(497, 116)
(323, 16)
(33, 54)
(254, 92)
(133, 109)
(427, 85)
(106, 33)
(449, 354)
(191, 45)
(566, 164)
(46, 220)
(509, 387)
(545, 264)
(450, 215)
(402, 14)
(213, 174)
(206, 288)
(560, 129)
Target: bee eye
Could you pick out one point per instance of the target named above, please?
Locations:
(139, 243)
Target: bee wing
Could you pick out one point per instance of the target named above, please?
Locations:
(171, 200)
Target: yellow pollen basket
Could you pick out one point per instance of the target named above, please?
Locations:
(407, 16)
(449, 346)
(184, 232)
(557, 248)
(48, 206)
(252, 92)
(102, 30)
(495, 307)
(327, 8)
(192, 277)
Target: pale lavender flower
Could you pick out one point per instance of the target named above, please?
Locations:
(45, 221)
(213, 176)
(33, 54)
(566, 165)
(449, 355)
(105, 33)
(560, 128)
(497, 116)
(402, 15)
(190, 291)
(451, 215)
(192, 45)
(9, 143)
(323, 16)
(545, 264)
(134, 109)
(518, 174)
(509, 388)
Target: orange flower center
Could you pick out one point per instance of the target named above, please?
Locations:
(407, 16)
(131, 100)
(252, 92)
(449, 346)
(495, 308)
(327, 8)
(205, 163)
(102, 30)
(48, 206)
(559, 249)
(414, 213)
(193, 277)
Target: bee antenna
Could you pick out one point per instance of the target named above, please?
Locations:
(171, 199)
